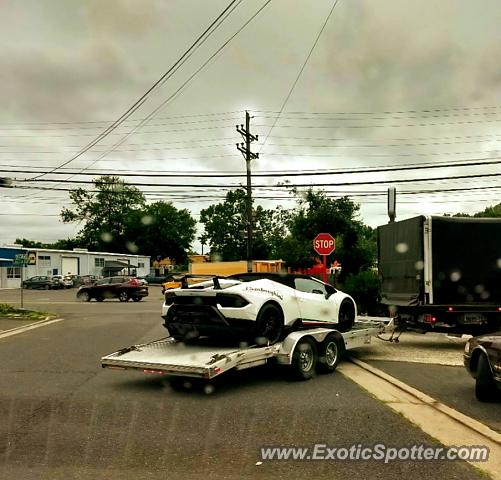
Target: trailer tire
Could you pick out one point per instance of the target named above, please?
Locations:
(346, 316)
(330, 352)
(304, 359)
(485, 388)
(269, 324)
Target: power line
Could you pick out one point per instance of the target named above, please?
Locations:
(143, 98)
(298, 76)
(298, 185)
(190, 78)
(475, 162)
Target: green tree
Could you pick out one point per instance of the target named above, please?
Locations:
(316, 213)
(63, 244)
(225, 228)
(104, 213)
(161, 230)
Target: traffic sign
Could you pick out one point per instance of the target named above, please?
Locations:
(324, 244)
(20, 259)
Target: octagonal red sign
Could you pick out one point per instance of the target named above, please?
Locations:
(324, 243)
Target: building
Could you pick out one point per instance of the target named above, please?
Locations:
(79, 261)
(231, 268)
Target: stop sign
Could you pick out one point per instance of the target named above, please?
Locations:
(324, 243)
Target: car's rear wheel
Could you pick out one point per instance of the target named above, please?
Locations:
(123, 296)
(346, 317)
(485, 387)
(269, 324)
(304, 359)
(330, 352)
(83, 296)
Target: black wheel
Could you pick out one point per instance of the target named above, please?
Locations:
(137, 299)
(123, 296)
(346, 317)
(47, 287)
(84, 296)
(330, 352)
(304, 359)
(485, 388)
(269, 325)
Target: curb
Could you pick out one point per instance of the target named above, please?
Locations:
(459, 417)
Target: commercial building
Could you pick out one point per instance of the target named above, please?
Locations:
(79, 261)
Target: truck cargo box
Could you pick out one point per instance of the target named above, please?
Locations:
(440, 260)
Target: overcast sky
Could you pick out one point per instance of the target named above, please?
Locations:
(389, 83)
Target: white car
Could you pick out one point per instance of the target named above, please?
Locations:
(64, 281)
(259, 307)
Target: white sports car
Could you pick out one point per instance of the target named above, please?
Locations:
(260, 307)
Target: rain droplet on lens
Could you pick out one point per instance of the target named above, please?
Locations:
(146, 219)
(455, 276)
(419, 265)
(401, 247)
(106, 237)
(132, 247)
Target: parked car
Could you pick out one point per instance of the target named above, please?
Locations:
(169, 284)
(90, 279)
(256, 306)
(155, 279)
(482, 359)
(64, 281)
(121, 287)
(44, 282)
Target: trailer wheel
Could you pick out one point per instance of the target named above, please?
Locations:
(485, 388)
(346, 316)
(330, 352)
(304, 359)
(269, 324)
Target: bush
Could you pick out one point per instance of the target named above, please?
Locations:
(364, 288)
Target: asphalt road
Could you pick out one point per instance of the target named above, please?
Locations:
(64, 417)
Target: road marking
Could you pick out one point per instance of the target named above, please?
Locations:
(448, 426)
(31, 326)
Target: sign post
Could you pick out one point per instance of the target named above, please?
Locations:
(324, 244)
(20, 260)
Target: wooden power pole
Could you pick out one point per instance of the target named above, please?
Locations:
(245, 149)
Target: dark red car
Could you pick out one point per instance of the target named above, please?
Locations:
(123, 288)
(482, 358)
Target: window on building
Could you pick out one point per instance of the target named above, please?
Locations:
(13, 272)
(140, 264)
(44, 260)
(99, 262)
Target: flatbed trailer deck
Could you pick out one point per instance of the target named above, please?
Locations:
(305, 350)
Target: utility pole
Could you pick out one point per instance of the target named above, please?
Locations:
(245, 149)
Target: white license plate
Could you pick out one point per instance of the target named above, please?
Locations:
(473, 319)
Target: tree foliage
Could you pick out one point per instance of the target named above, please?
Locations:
(115, 218)
(225, 228)
(162, 230)
(316, 213)
(104, 213)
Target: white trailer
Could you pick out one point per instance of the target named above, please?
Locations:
(305, 351)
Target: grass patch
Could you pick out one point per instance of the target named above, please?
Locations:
(8, 311)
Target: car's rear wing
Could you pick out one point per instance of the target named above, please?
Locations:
(184, 280)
